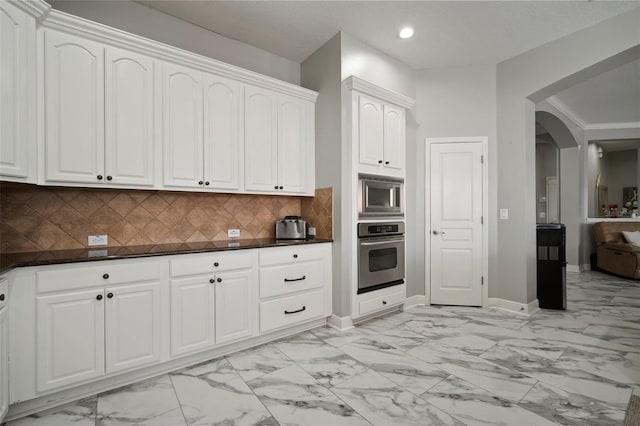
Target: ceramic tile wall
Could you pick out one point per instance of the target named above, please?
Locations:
(34, 218)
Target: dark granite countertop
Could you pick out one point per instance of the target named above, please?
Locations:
(9, 261)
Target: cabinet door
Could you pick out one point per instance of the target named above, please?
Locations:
(192, 315)
(223, 119)
(4, 362)
(74, 108)
(70, 338)
(394, 137)
(128, 118)
(234, 306)
(132, 326)
(292, 142)
(261, 140)
(182, 131)
(13, 92)
(370, 130)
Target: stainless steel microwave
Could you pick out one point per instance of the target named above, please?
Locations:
(380, 196)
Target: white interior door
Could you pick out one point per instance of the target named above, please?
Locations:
(456, 223)
(553, 198)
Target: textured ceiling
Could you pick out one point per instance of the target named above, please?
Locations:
(448, 33)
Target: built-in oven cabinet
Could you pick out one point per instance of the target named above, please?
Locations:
(381, 137)
(4, 347)
(18, 155)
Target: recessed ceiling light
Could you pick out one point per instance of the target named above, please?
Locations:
(406, 32)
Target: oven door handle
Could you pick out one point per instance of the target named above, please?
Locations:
(377, 243)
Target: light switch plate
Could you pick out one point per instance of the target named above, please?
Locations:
(542, 215)
(504, 214)
(233, 233)
(98, 240)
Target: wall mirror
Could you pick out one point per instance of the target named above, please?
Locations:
(613, 173)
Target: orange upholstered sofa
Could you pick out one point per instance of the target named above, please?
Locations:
(614, 254)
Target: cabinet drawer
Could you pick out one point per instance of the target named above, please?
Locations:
(290, 310)
(4, 292)
(104, 273)
(382, 302)
(195, 264)
(285, 279)
(285, 255)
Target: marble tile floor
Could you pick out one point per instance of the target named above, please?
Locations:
(424, 366)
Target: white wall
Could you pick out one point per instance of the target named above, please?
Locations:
(455, 102)
(321, 72)
(523, 80)
(147, 22)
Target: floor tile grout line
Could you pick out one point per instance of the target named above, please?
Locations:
(175, 392)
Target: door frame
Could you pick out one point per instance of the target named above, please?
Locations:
(484, 141)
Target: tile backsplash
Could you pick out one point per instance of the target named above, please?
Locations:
(34, 218)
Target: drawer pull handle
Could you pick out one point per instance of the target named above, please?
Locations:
(302, 278)
(304, 308)
(2, 297)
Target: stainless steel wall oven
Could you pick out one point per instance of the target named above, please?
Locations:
(380, 255)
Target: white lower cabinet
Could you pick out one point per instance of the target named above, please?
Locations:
(211, 309)
(99, 324)
(70, 338)
(4, 360)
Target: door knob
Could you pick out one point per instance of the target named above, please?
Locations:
(436, 232)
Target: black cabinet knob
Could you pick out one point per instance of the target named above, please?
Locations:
(282, 187)
(99, 297)
(219, 280)
(2, 297)
(379, 161)
(105, 276)
(295, 256)
(207, 183)
(386, 162)
(99, 177)
(109, 178)
(384, 302)
(275, 187)
(200, 182)
(212, 281)
(216, 264)
(110, 295)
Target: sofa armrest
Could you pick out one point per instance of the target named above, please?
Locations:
(627, 248)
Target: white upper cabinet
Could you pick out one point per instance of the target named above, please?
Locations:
(371, 131)
(223, 132)
(278, 132)
(394, 137)
(182, 120)
(129, 118)
(17, 95)
(292, 144)
(261, 140)
(74, 112)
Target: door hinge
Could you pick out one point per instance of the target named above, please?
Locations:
(481, 280)
(482, 159)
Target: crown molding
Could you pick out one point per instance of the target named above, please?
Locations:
(81, 27)
(355, 83)
(37, 8)
(613, 126)
(564, 109)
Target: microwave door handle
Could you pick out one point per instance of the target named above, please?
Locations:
(391, 197)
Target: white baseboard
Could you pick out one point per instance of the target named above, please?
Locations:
(413, 301)
(573, 268)
(340, 323)
(508, 305)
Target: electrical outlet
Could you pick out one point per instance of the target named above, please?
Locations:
(233, 233)
(542, 215)
(98, 240)
(312, 231)
(504, 214)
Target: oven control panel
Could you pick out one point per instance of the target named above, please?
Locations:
(380, 229)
